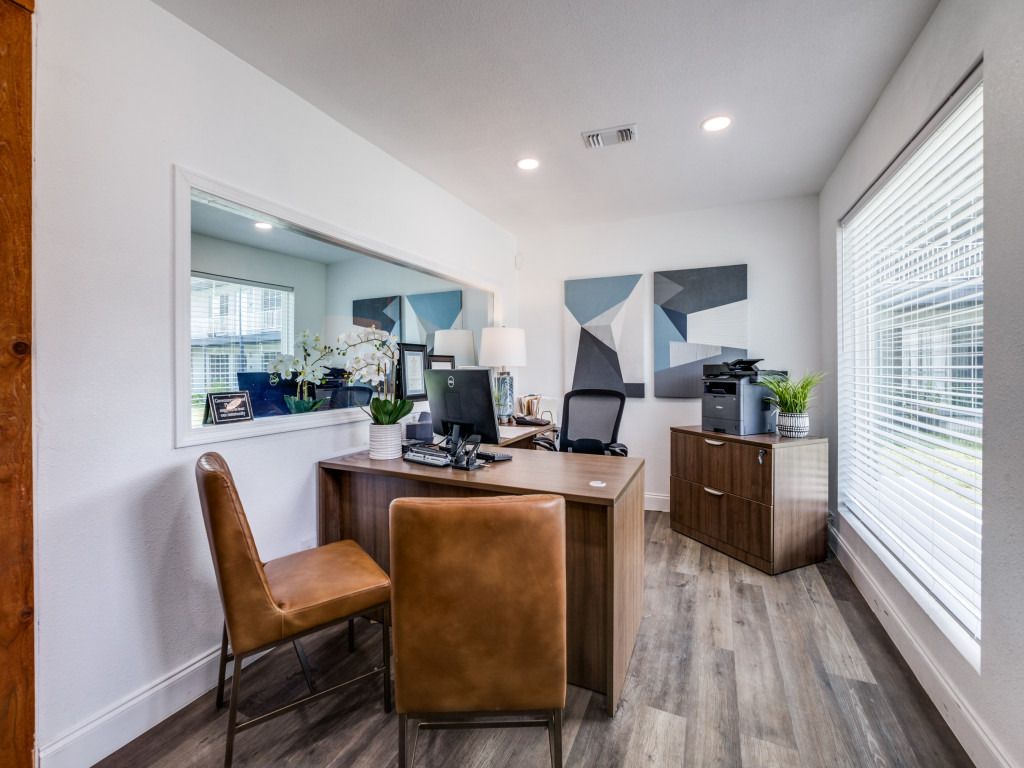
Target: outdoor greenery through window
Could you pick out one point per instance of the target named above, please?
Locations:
(911, 367)
(236, 327)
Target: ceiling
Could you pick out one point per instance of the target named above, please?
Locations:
(461, 89)
(236, 224)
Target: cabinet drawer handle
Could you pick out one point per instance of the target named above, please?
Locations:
(713, 492)
(714, 442)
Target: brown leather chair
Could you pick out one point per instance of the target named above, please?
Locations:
(266, 604)
(478, 608)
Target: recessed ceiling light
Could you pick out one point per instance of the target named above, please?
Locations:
(716, 123)
(264, 225)
(528, 164)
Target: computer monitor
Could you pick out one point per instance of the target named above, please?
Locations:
(267, 399)
(463, 398)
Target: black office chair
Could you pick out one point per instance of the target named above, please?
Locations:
(351, 395)
(590, 424)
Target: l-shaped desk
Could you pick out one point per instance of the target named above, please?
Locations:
(604, 536)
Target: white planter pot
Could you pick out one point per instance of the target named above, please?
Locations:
(385, 441)
(794, 424)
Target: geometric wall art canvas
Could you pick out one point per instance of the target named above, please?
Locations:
(384, 313)
(604, 327)
(425, 313)
(700, 316)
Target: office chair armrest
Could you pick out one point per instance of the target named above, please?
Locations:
(617, 449)
(545, 443)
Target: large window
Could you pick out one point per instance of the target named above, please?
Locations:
(236, 327)
(911, 360)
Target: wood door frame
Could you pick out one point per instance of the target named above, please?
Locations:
(17, 614)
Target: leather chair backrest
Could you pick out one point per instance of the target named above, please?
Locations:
(253, 618)
(478, 603)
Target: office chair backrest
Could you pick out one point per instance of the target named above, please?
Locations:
(351, 395)
(478, 603)
(591, 414)
(249, 609)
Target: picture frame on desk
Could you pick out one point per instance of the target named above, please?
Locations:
(412, 362)
(441, 362)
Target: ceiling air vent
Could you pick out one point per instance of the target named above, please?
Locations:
(605, 137)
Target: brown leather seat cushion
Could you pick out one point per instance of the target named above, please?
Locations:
(478, 603)
(317, 586)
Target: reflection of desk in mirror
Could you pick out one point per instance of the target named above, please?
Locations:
(520, 437)
(604, 536)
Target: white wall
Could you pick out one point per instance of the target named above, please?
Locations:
(307, 278)
(984, 709)
(128, 614)
(778, 240)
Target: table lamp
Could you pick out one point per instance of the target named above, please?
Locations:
(457, 342)
(503, 348)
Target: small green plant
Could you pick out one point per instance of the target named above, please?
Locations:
(791, 396)
(389, 411)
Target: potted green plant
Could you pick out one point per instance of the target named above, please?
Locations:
(308, 367)
(372, 357)
(791, 397)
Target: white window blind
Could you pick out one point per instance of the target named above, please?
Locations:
(910, 367)
(236, 326)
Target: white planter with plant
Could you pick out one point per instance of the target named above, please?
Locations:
(372, 357)
(792, 398)
(309, 367)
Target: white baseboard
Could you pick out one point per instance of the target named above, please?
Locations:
(961, 718)
(91, 741)
(658, 502)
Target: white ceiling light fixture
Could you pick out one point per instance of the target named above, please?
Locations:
(263, 226)
(528, 164)
(716, 123)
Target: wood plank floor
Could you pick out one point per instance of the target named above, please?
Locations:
(732, 668)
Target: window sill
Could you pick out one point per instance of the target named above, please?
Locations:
(272, 425)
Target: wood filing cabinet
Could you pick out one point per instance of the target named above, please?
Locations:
(762, 499)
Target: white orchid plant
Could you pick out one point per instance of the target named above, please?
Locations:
(372, 356)
(309, 367)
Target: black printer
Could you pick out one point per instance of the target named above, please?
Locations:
(734, 403)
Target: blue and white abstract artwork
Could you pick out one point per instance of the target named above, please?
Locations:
(604, 327)
(383, 313)
(700, 316)
(425, 313)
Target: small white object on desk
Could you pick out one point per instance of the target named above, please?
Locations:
(598, 483)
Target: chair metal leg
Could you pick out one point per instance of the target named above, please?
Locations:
(403, 728)
(555, 738)
(351, 635)
(236, 681)
(385, 631)
(304, 663)
(223, 668)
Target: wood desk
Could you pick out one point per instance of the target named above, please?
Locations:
(604, 536)
(514, 436)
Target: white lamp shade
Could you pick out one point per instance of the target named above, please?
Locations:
(503, 347)
(457, 342)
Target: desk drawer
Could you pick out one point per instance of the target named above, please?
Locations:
(722, 517)
(737, 468)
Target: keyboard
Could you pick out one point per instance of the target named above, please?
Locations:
(488, 456)
(432, 458)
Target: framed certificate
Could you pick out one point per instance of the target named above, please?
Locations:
(412, 361)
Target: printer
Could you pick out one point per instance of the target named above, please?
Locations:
(734, 403)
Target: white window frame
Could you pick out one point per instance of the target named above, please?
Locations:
(964, 641)
(185, 182)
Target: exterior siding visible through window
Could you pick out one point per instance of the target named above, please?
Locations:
(235, 327)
